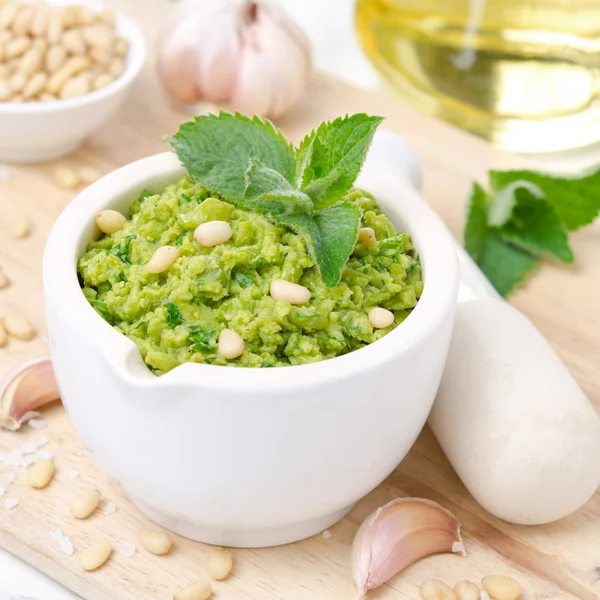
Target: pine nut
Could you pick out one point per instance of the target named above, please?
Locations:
(95, 556)
(17, 47)
(220, 563)
(102, 81)
(117, 66)
(289, 292)
(5, 90)
(46, 97)
(21, 228)
(72, 40)
(108, 16)
(22, 21)
(163, 259)
(16, 98)
(39, 23)
(366, 236)
(381, 317)
(35, 85)
(55, 28)
(500, 587)
(199, 590)
(4, 280)
(8, 12)
(66, 178)
(121, 47)
(86, 504)
(3, 337)
(4, 71)
(110, 221)
(102, 57)
(31, 61)
(99, 36)
(434, 589)
(16, 82)
(56, 58)
(231, 345)
(40, 474)
(19, 328)
(467, 590)
(89, 175)
(77, 86)
(155, 541)
(85, 16)
(213, 233)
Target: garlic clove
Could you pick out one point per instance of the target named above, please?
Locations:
(398, 534)
(29, 387)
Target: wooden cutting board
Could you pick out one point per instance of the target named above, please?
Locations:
(561, 560)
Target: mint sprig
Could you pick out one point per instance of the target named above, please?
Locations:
(525, 218)
(250, 163)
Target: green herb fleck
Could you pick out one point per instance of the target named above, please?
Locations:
(174, 317)
(103, 311)
(186, 197)
(121, 251)
(241, 279)
(140, 324)
(200, 338)
(121, 277)
(181, 238)
(145, 194)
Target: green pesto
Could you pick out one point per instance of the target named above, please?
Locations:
(176, 316)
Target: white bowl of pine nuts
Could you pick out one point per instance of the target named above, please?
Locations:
(242, 456)
(65, 68)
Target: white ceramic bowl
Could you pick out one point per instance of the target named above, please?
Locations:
(247, 457)
(40, 131)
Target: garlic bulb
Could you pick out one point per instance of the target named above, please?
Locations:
(245, 53)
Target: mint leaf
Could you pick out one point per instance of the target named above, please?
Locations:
(121, 251)
(534, 226)
(330, 158)
(270, 192)
(576, 199)
(103, 311)
(201, 339)
(330, 236)
(174, 316)
(504, 201)
(216, 151)
(476, 227)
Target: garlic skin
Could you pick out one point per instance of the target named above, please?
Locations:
(398, 534)
(246, 54)
(29, 387)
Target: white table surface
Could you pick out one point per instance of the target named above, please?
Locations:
(330, 26)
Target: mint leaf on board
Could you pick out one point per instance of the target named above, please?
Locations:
(534, 226)
(505, 265)
(476, 226)
(330, 236)
(268, 191)
(174, 316)
(576, 199)
(216, 151)
(330, 158)
(504, 201)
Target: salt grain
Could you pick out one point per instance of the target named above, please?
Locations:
(72, 474)
(483, 595)
(41, 440)
(29, 448)
(66, 546)
(458, 547)
(2, 489)
(8, 478)
(28, 461)
(11, 503)
(127, 550)
(44, 455)
(326, 534)
(56, 534)
(31, 414)
(37, 423)
(110, 508)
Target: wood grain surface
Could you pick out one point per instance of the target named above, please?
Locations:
(561, 560)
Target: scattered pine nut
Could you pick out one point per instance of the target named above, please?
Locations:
(21, 228)
(467, 590)
(83, 506)
(4, 280)
(66, 178)
(95, 556)
(381, 317)
(231, 345)
(366, 236)
(500, 587)
(3, 337)
(434, 589)
(199, 590)
(220, 563)
(155, 541)
(110, 221)
(213, 233)
(88, 175)
(289, 292)
(19, 328)
(163, 259)
(40, 474)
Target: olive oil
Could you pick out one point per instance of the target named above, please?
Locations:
(523, 73)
